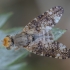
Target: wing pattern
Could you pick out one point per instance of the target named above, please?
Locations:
(44, 43)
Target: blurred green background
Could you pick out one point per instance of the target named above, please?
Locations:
(22, 12)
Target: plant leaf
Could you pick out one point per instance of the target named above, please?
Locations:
(9, 58)
(14, 30)
(57, 33)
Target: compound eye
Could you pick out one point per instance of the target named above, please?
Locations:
(7, 42)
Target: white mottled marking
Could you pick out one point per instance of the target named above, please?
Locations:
(35, 19)
(56, 19)
(62, 47)
(42, 54)
(50, 13)
(46, 45)
(57, 55)
(51, 9)
(48, 28)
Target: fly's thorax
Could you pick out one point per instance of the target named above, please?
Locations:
(22, 39)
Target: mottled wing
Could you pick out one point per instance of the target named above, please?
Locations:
(42, 40)
(54, 49)
(44, 22)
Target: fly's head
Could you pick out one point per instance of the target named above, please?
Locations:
(8, 42)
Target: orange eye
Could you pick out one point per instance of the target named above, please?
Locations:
(7, 42)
